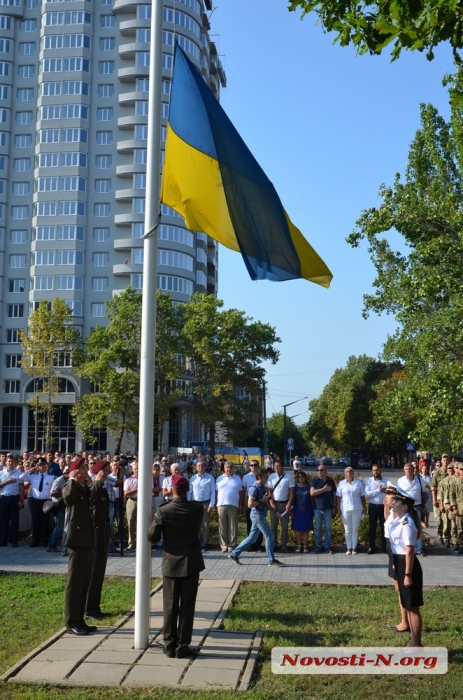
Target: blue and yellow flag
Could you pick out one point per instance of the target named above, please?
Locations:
(214, 181)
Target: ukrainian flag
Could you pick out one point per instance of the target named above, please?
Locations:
(213, 180)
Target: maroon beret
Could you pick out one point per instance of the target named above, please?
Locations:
(76, 464)
(98, 466)
(179, 482)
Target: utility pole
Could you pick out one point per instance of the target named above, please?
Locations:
(284, 426)
(264, 416)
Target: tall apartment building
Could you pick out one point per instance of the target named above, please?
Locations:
(74, 80)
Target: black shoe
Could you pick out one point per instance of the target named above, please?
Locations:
(184, 652)
(396, 629)
(78, 630)
(456, 548)
(170, 653)
(372, 550)
(204, 548)
(234, 559)
(95, 616)
(421, 554)
(89, 628)
(275, 562)
(34, 544)
(441, 539)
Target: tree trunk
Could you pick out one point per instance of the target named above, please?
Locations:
(121, 435)
(212, 439)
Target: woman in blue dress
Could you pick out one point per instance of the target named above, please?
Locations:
(302, 512)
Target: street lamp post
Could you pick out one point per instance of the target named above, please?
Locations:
(284, 425)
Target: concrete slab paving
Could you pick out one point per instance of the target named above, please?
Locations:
(40, 672)
(89, 674)
(113, 657)
(142, 675)
(210, 678)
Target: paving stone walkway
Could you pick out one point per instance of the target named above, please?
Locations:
(107, 657)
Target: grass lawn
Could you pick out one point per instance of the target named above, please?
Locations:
(289, 615)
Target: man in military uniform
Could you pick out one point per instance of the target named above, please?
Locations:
(448, 487)
(80, 542)
(100, 497)
(178, 522)
(456, 505)
(439, 473)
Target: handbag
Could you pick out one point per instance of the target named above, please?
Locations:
(50, 507)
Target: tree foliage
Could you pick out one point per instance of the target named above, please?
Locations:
(275, 426)
(341, 417)
(225, 351)
(421, 283)
(371, 26)
(50, 335)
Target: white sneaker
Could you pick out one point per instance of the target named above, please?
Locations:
(348, 552)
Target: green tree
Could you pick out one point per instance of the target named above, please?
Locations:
(225, 351)
(50, 338)
(275, 427)
(342, 414)
(371, 26)
(421, 282)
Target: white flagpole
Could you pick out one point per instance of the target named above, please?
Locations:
(148, 335)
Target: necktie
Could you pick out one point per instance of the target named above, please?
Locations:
(41, 485)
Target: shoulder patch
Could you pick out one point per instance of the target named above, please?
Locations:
(405, 521)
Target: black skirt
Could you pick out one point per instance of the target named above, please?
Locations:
(409, 597)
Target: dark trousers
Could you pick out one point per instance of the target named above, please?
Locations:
(79, 572)
(96, 580)
(40, 521)
(9, 512)
(258, 543)
(179, 598)
(375, 515)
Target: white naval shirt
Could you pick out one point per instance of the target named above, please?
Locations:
(35, 479)
(372, 490)
(402, 533)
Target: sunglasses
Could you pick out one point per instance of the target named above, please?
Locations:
(321, 470)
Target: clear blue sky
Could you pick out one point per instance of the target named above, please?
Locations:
(328, 127)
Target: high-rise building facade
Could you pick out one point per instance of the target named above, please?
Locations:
(74, 78)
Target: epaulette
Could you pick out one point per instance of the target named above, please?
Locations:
(405, 521)
(164, 504)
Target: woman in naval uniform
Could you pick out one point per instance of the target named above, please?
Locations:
(404, 530)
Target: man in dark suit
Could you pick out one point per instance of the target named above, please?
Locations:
(100, 497)
(178, 522)
(80, 542)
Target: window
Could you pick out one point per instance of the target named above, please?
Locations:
(106, 67)
(139, 181)
(138, 256)
(26, 71)
(138, 230)
(142, 108)
(99, 284)
(12, 335)
(201, 256)
(104, 114)
(49, 136)
(70, 233)
(105, 90)
(100, 259)
(18, 236)
(165, 87)
(42, 283)
(11, 386)
(66, 208)
(51, 89)
(24, 94)
(12, 361)
(102, 210)
(3, 92)
(140, 156)
(77, 310)
(62, 359)
(31, 4)
(46, 184)
(69, 257)
(107, 21)
(78, 41)
(43, 257)
(27, 48)
(17, 261)
(144, 36)
(3, 138)
(77, 63)
(18, 213)
(50, 112)
(74, 135)
(175, 284)
(104, 138)
(75, 87)
(102, 186)
(143, 59)
(23, 140)
(71, 158)
(28, 25)
(141, 132)
(21, 165)
(72, 183)
(47, 160)
(44, 233)
(5, 22)
(52, 19)
(139, 205)
(15, 310)
(51, 65)
(103, 162)
(53, 41)
(20, 189)
(16, 286)
(100, 235)
(98, 311)
(78, 17)
(74, 112)
(107, 44)
(143, 85)
(64, 282)
(46, 208)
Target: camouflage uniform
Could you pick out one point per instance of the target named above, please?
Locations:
(456, 502)
(437, 477)
(448, 489)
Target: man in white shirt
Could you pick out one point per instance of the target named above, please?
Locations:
(296, 464)
(202, 490)
(11, 500)
(229, 494)
(375, 490)
(39, 492)
(413, 486)
(131, 495)
(249, 480)
(282, 490)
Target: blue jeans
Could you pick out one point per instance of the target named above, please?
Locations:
(323, 515)
(258, 524)
(58, 529)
